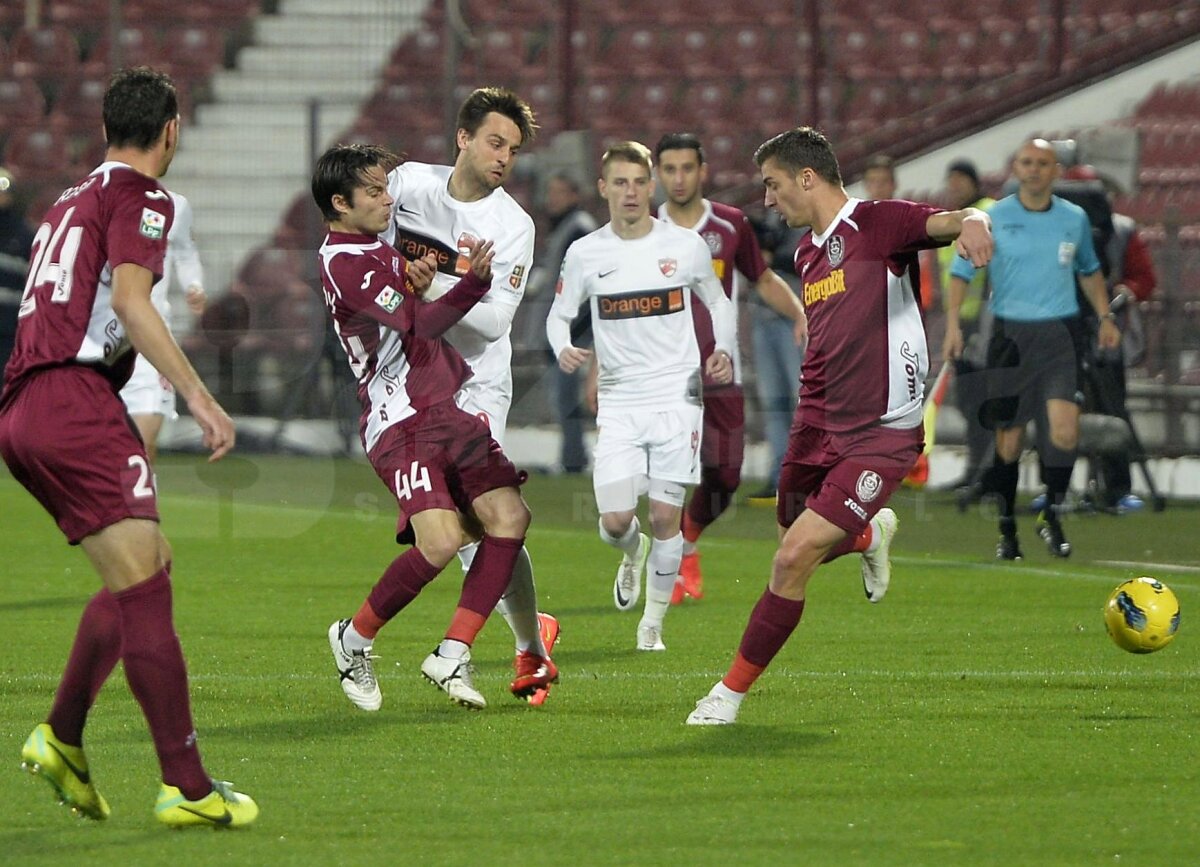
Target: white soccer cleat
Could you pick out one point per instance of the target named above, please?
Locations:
(454, 677)
(627, 588)
(355, 669)
(876, 567)
(713, 710)
(649, 637)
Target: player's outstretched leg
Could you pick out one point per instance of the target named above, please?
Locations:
(876, 565)
(221, 808)
(66, 769)
(356, 671)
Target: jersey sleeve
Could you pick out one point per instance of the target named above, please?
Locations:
(569, 293)
(492, 318)
(139, 222)
(749, 257)
(705, 285)
(1086, 261)
(962, 268)
(899, 227)
(184, 255)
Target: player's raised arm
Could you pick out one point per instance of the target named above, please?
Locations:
(971, 228)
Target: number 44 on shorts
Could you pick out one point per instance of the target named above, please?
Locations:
(416, 479)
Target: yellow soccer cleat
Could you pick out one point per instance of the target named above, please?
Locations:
(220, 808)
(65, 768)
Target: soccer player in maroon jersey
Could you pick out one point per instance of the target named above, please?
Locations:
(735, 255)
(65, 435)
(440, 462)
(858, 427)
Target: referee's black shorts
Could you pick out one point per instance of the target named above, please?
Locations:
(1028, 364)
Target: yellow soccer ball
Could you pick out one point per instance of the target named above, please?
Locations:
(1142, 615)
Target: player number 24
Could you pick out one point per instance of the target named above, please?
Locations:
(416, 479)
(52, 263)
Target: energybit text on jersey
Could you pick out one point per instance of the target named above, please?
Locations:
(834, 284)
(633, 305)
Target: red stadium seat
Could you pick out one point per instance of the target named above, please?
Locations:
(80, 104)
(194, 52)
(50, 53)
(139, 46)
(39, 153)
(21, 103)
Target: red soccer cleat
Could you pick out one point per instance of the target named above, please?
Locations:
(689, 577)
(534, 673)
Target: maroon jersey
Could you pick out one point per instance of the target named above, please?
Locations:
(392, 339)
(867, 358)
(114, 216)
(735, 253)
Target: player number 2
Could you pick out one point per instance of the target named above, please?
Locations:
(142, 487)
(416, 479)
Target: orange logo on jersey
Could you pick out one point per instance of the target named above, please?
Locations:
(834, 284)
(634, 305)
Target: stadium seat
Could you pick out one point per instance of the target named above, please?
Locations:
(21, 103)
(39, 153)
(80, 104)
(49, 53)
(194, 52)
(139, 46)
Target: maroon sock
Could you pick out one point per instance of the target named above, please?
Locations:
(95, 652)
(157, 677)
(490, 572)
(400, 584)
(771, 624)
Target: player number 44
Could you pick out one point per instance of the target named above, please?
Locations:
(416, 479)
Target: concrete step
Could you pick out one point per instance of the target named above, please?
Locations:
(265, 119)
(349, 32)
(231, 87)
(288, 61)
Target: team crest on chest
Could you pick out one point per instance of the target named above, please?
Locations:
(713, 239)
(667, 267)
(868, 487)
(836, 248)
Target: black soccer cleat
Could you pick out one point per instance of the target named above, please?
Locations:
(1008, 548)
(1051, 532)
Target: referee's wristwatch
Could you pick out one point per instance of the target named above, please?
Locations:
(1110, 316)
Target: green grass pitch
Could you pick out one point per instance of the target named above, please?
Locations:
(979, 715)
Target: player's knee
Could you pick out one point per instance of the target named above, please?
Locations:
(664, 522)
(510, 520)
(616, 524)
(439, 544)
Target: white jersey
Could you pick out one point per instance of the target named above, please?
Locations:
(182, 261)
(426, 218)
(642, 312)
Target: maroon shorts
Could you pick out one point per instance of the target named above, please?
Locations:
(844, 477)
(67, 438)
(440, 458)
(724, 443)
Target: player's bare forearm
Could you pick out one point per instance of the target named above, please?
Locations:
(969, 228)
(1109, 336)
(778, 296)
(952, 345)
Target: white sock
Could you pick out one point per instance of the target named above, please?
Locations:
(352, 641)
(452, 649)
(662, 568)
(466, 555)
(876, 536)
(628, 543)
(518, 606)
(725, 692)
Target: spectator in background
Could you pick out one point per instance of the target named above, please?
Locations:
(970, 387)
(16, 240)
(568, 223)
(1130, 279)
(879, 178)
(776, 356)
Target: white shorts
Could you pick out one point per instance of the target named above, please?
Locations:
(487, 403)
(148, 392)
(644, 445)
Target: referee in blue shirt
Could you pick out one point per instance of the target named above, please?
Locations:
(1042, 244)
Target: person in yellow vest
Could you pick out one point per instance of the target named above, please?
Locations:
(962, 191)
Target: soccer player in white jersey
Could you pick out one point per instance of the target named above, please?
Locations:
(149, 396)
(441, 210)
(636, 273)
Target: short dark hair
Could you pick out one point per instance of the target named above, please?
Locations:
(801, 148)
(678, 141)
(881, 161)
(485, 100)
(139, 102)
(342, 169)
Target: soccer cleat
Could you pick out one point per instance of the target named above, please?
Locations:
(355, 669)
(455, 678)
(627, 588)
(220, 808)
(533, 673)
(549, 628)
(1129, 503)
(649, 637)
(66, 769)
(677, 591)
(1049, 528)
(1008, 548)
(713, 710)
(690, 577)
(876, 567)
